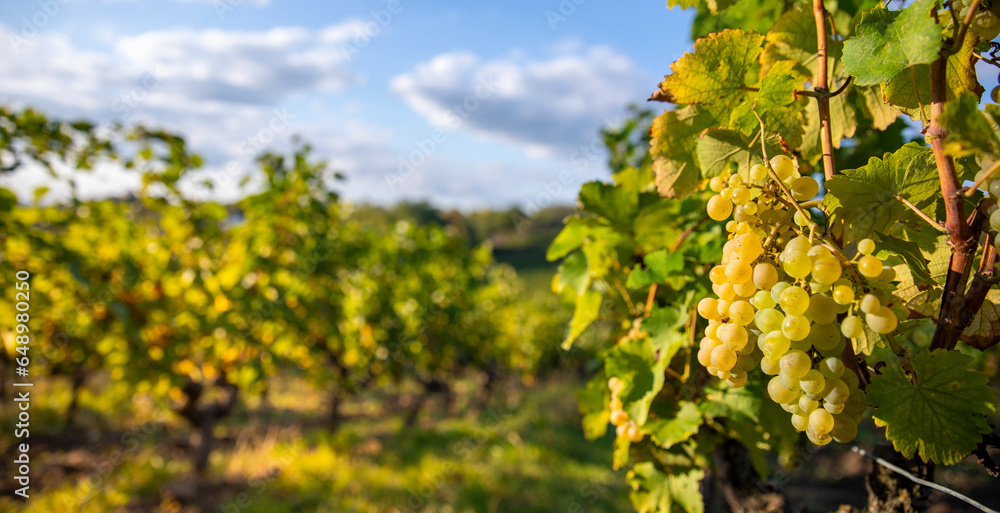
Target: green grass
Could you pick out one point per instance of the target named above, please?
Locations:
(525, 452)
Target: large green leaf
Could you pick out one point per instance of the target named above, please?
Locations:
(673, 142)
(680, 427)
(716, 73)
(655, 491)
(635, 363)
(587, 307)
(868, 198)
(573, 273)
(970, 130)
(614, 203)
(776, 104)
(723, 151)
(889, 41)
(910, 92)
(939, 412)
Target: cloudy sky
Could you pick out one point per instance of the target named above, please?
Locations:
(468, 104)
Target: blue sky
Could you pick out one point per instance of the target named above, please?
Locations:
(469, 105)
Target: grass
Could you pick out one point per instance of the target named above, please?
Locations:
(524, 452)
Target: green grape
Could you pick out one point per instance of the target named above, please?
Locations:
(735, 180)
(851, 379)
(794, 300)
(825, 337)
(719, 208)
(817, 287)
(799, 244)
(708, 308)
(882, 320)
(764, 276)
(789, 382)
(763, 300)
(741, 195)
(824, 440)
(769, 320)
(836, 349)
(758, 172)
(777, 289)
(804, 188)
(775, 345)
(800, 422)
(738, 271)
(845, 429)
(851, 327)
(888, 274)
(807, 405)
(833, 408)
(995, 219)
(821, 310)
(716, 184)
(770, 367)
(826, 270)
(734, 337)
(813, 382)
(820, 422)
(869, 266)
(866, 246)
(831, 367)
(843, 294)
(870, 303)
(802, 218)
(819, 252)
(723, 358)
(741, 312)
(795, 327)
(836, 391)
(995, 192)
(797, 265)
(783, 166)
(795, 364)
(778, 393)
(750, 208)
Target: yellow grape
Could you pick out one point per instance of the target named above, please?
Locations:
(783, 166)
(708, 308)
(738, 271)
(741, 313)
(870, 303)
(794, 300)
(798, 265)
(745, 289)
(826, 270)
(804, 188)
(716, 184)
(763, 299)
(719, 208)
(775, 345)
(813, 382)
(738, 379)
(726, 291)
(870, 266)
(764, 276)
(795, 327)
(800, 422)
(770, 367)
(820, 422)
(748, 247)
(851, 327)
(822, 309)
(866, 246)
(779, 393)
(769, 320)
(618, 417)
(734, 337)
(843, 294)
(723, 358)
(795, 364)
(758, 172)
(718, 275)
(807, 405)
(741, 195)
(882, 320)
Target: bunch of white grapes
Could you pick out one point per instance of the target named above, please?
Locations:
(985, 23)
(786, 303)
(624, 426)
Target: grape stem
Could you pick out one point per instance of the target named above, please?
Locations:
(934, 224)
(822, 87)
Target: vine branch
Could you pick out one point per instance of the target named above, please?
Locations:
(823, 99)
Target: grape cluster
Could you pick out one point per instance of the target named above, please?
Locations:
(785, 301)
(619, 418)
(984, 23)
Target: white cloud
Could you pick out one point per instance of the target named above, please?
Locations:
(544, 106)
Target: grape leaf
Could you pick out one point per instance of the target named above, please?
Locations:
(587, 307)
(655, 491)
(573, 273)
(614, 203)
(910, 252)
(910, 92)
(881, 113)
(684, 424)
(673, 142)
(633, 361)
(722, 151)
(660, 266)
(665, 326)
(775, 103)
(715, 74)
(889, 41)
(868, 340)
(969, 129)
(940, 413)
(867, 198)
(843, 124)
(570, 237)
(592, 401)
